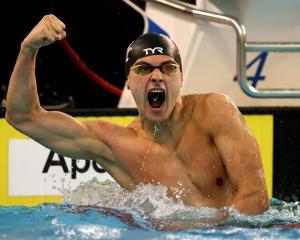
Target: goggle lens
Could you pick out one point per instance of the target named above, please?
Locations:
(168, 68)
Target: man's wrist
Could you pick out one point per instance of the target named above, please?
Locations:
(27, 48)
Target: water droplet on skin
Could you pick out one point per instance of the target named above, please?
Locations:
(261, 174)
(142, 165)
(155, 129)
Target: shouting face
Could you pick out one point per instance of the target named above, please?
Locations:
(155, 83)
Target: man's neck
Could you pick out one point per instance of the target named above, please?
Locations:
(158, 131)
(161, 132)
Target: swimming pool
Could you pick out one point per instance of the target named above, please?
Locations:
(103, 210)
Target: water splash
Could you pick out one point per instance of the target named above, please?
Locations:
(104, 210)
(151, 203)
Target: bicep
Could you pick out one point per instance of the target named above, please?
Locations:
(237, 145)
(242, 160)
(65, 135)
(241, 156)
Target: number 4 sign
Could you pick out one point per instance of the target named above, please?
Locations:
(260, 59)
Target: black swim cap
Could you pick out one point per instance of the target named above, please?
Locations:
(151, 44)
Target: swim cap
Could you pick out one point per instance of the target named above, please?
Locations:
(151, 44)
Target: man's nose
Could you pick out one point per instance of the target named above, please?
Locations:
(156, 75)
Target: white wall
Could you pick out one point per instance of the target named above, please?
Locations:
(209, 50)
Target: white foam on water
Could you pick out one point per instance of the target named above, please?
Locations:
(151, 202)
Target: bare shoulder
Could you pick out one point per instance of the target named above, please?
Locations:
(135, 124)
(214, 103)
(225, 114)
(107, 130)
(215, 110)
(220, 104)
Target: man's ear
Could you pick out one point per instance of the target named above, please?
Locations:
(127, 84)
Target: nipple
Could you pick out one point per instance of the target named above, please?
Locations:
(219, 181)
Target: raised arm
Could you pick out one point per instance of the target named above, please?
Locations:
(55, 130)
(241, 155)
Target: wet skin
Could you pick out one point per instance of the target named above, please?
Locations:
(185, 157)
(198, 146)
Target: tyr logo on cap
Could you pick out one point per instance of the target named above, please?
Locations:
(153, 50)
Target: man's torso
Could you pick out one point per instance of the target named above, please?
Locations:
(187, 161)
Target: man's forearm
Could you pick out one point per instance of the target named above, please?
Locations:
(22, 96)
(253, 204)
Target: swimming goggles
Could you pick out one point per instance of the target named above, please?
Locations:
(166, 68)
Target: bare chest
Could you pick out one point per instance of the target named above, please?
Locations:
(193, 163)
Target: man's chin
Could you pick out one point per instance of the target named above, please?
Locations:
(156, 114)
(156, 117)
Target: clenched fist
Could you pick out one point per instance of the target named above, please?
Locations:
(48, 30)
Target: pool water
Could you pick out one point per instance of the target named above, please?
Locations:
(103, 210)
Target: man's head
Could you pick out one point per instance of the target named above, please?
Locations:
(151, 44)
(153, 68)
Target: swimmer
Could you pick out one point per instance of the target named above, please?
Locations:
(198, 145)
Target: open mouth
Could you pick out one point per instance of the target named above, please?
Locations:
(156, 97)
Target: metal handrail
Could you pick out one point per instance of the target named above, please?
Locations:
(242, 47)
(272, 46)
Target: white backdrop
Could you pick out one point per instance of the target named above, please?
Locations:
(209, 50)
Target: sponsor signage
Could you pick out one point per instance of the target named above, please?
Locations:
(36, 170)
